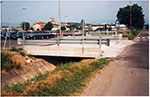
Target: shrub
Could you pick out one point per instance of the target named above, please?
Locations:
(17, 50)
(40, 76)
(8, 60)
(6, 87)
(22, 53)
(14, 49)
(18, 87)
(99, 63)
(125, 36)
(131, 37)
(30, 55)
(135, 32)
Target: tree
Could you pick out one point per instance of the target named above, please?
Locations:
(25, 26)
(63, 28)
(110, 28)
(100, 29)
(48, 26)
(147, 27)
(123, 16)
(75, 26)
(38, 29)
(31, 28)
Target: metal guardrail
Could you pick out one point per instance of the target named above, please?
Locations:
(66, 41)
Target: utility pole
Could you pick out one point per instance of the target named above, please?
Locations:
(130, 16)
(59, 18)
(82, 26)
(5, 39)
(9, 35)
(100, 39)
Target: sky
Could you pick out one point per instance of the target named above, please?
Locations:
(92, 11)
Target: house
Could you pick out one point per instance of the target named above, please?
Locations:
(56, 27)
(52, 20)
(94, 27)
(38, 26)
(113, 27)
(122, 27)
(67, 26)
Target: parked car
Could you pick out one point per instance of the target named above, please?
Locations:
(35, 35)
(9, 34)
(2, 35)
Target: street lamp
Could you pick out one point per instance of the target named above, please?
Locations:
(82, 26)
(24, 26)
(117, 25)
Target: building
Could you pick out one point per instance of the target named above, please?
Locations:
(55, 27)
(94, 27)
(38, 26)
(112, 26)
(122, 27)
(67, 26)
(52, 20)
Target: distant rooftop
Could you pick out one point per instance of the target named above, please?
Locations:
(40, 23)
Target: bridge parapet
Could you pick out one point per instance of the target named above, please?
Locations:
(64, 51)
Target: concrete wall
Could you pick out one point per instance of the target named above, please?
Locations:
(25, 72)
(64, 50)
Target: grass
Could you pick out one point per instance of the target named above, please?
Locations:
(13, 58)
(131, 35)
(7, 61)
(40, 76)
(10, 60)
(71, 82)
(17, 50)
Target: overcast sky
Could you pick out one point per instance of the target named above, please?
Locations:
(98, 11)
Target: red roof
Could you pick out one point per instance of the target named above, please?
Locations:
(40, 23)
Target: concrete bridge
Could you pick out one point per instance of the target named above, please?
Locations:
(65, 50)
(89, 46)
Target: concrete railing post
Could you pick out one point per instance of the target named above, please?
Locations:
(99, 40)
(57, 40)
(108, 42)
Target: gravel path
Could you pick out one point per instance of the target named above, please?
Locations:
(126, 75)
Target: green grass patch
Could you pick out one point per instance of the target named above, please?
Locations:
(17, 50)
(7, 63)
(40, 76)
(131, 35)
(18, 87)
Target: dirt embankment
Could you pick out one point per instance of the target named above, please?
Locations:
(18, 68)
(26, 72)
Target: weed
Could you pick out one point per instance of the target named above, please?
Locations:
(29, 55)
(22, 53)
(40, 76)
(66, 85)
(17, 50)
(18, 87)
(6, 87)
(14, 49)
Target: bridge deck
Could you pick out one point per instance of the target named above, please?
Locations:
(66, 50)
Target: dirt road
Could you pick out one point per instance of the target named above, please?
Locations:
(127, 74)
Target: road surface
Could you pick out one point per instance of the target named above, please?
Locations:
(127, 74)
